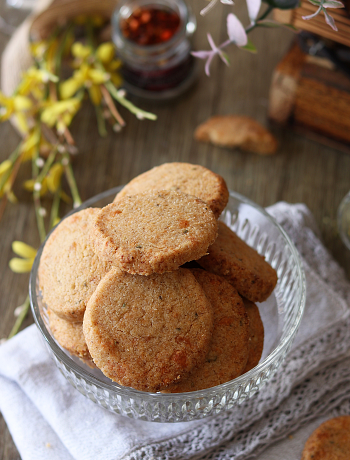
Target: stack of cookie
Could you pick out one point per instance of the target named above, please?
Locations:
(123, 295)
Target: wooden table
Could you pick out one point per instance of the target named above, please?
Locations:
(302, 170)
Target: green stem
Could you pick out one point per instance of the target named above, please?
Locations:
(36, 193)
(55, 206)
(127, 104)
(101, 125)
(47, 166)
(39, 218)
(263, 16)
(59, 55)
(20, 318)
(71, 182)
(13, 157)
(112, 89)
(90, 34)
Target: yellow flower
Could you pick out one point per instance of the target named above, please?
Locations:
(30, 144)
(45, 52)
(54, 177)
(5, 166)
(50, 56)
(38, 49)
(106, 54)
(27, 255)
(60, 113)
(33, 142)
(33, 82)
(32, 185)
(15, 106)
(81, 51)
(96, 20)
(88, 77)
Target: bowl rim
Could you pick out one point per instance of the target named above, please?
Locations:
(343, 207)
(120, 390)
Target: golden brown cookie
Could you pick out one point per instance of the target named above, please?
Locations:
(183, 177)
(70, 336)
(330, 441)
(147, 332)
(69, 270)
(228, 352)
(154, 232)
(237, 131)
(256, 335)
(241, 265)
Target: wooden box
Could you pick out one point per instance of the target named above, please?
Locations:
(312, 95)
(317, 25)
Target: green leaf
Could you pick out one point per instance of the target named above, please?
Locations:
(283, 4)
(268, 23)
(271, 23)
(225, 57)
(290, 27)
(249, 47)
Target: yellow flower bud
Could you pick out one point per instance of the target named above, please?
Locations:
(11, 197)
(95, 94)
(105, 52)
(21, 265)
(54, 177)
(23, 250)
(5, 166)
(98, 76)
(81, 51)
(69, 87)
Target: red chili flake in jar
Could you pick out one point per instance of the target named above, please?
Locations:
(150, 26)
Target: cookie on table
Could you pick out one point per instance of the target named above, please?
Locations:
(237, 131)
(154, 231)
(70, 336)
(69, 270)
(256, 333)
(241, 265)
(228, 352)
(184, 177)
(330, 441)
(147, 332)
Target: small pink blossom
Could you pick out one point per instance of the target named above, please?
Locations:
(211, 5)
(236, 31)
(322, 7)
(253, 9)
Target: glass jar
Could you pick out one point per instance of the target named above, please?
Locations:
(156, 71)
(344, 220)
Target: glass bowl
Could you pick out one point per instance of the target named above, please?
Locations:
(344, 220)
(281, 315)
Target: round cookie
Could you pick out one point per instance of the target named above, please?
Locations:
(330, 441)
(148, 331)
(69, 270)
(228, 352)
(70, 336)
(154, 232)
(241, 265)
(256, 335)
(184, 177)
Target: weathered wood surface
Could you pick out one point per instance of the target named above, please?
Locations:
(301, 171)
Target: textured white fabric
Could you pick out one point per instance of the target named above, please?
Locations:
(50, 419)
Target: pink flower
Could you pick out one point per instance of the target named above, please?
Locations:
(322, 5)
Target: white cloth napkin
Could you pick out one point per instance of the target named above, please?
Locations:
(48, 418)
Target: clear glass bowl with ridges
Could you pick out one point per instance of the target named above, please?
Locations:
(281, 315)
